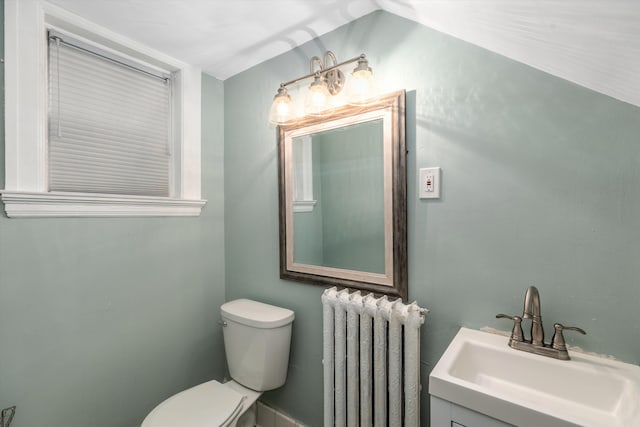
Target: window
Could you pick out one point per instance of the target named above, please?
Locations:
(108, 123)
(96, 125)
(302, 149)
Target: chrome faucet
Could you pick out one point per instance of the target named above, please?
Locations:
(556, 349)
(532, 311)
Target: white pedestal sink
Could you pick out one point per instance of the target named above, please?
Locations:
(480, 372)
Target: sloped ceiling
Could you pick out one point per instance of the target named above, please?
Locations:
(594, 43)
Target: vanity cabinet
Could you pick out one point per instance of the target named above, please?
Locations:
(447, 414)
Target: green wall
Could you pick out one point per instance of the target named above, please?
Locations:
(540, 187)
(101, 319)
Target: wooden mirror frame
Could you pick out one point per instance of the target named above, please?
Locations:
(391, 108)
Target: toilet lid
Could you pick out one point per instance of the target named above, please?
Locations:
(206, 405)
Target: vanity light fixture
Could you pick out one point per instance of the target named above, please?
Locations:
(328, 82)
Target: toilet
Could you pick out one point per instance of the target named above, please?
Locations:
(257, 338)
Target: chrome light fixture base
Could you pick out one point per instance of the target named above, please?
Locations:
(335, 81)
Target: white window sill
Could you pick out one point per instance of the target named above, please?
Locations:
(20, 204)
(304, 205)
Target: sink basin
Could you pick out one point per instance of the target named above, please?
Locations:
(481, 372)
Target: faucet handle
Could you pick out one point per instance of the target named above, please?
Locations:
(516, 333)
(557, 342)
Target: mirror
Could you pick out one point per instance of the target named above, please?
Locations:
(342, 185)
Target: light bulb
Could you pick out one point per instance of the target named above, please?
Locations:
(317, 98)
(361, 86)
(281, 109)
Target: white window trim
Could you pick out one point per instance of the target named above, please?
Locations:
(303, 191)
(26, 193)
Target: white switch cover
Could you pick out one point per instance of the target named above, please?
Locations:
(429, 183)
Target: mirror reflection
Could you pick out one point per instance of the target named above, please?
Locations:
(338, 198)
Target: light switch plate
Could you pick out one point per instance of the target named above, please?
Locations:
(429, 183)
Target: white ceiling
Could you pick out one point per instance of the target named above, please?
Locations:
(594, 43)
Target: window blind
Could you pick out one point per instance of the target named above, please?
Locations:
(109, 125)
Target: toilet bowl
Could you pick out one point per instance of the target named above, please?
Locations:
(208, 404)
(257, 339)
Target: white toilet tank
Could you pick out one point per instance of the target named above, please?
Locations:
(257, 338)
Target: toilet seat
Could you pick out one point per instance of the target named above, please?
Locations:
(210, 404)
